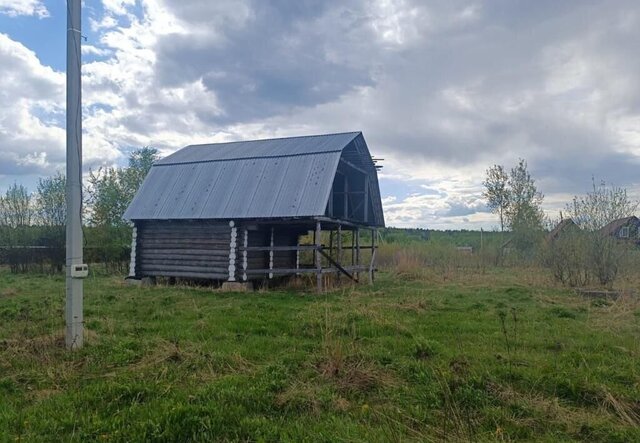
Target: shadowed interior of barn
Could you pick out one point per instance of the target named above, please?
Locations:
(241, 211)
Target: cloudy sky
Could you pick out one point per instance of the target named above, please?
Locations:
(441, 89)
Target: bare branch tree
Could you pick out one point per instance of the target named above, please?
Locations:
(601, 206)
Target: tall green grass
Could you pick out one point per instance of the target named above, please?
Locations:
(492, 357)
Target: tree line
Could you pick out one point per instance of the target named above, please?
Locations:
(32, 224)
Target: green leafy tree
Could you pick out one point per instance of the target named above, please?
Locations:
(524, 212)
(497, 192)
(106, 197)
(50, 198)
(517, 201)
(140, 162)
(525, 201)
(111, 190)
(16, 217)
(16, 207)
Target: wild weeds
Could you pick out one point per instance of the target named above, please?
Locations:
(510, 342)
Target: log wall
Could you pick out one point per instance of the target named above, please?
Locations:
(189, 249)
(202, 249)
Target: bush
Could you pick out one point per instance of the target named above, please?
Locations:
(567, 258)
(581, 258)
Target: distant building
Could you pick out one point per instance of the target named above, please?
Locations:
(236, 211)
(624, 229)
(565, 226)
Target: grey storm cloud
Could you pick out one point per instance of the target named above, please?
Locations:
(477, 82)
(442, 87)
(270, 58)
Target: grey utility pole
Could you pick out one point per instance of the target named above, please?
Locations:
(76, 270)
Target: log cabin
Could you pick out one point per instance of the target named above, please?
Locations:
(237, 211)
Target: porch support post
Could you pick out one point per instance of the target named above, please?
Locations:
(366, 198)
(271, 254)
(372, 264)
(318, 260)
(357, 252)
(353, 247)
(331, 243)
(134, 243)
(314, 242)
(232, 251)
(339, 247)
(346, 198)
(245, 261)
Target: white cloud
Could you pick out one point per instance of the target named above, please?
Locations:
(93, 50)
(14, 8)
(118, 7)
(442, 90)
(28, 91)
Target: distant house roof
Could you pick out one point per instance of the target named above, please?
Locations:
(614, 227)
(283, 177)
(567, 223)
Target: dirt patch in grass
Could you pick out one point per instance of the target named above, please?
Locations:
(36, 345)
(355, 374)
(8, 292)
(300, 397)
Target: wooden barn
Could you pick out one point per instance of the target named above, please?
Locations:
(237, 211)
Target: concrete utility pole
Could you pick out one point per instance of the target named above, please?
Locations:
(75, 269)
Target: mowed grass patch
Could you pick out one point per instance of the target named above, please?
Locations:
(488, 357)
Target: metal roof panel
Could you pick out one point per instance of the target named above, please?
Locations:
(289, 177)
(277, 147)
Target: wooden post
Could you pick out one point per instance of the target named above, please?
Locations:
(298, 256)
(353, 247)
(318, 244)
(314, 255)
(271, 254)
(346, 198)
(373, 256)
(339, 247)
(245, 260)
(232, 251)
(132, 263)
(357, 252)
(366, 198)
(331, 243)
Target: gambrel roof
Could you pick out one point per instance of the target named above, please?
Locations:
(273, 178)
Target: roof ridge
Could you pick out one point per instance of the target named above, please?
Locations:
(275, 138)
(254, 157)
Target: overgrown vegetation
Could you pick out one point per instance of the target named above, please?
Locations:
(499, 355)
(32, 226)
(587, 254)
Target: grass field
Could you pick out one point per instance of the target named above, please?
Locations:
(495, 356)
